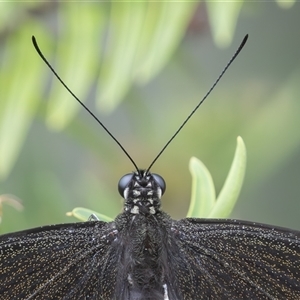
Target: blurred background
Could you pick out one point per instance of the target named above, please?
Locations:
(141, 68)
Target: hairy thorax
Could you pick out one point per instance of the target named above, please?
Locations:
(143, 258)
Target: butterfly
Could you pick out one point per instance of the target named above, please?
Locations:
(146, 255)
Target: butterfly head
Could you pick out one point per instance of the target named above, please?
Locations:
(142, 192)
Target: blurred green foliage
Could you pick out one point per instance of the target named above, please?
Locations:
(142, 67)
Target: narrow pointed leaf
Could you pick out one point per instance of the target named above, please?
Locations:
(19, 95)
(76, 60)
(125, 24)
(223, 18)
(83, 214)
(233, 184)
(203, 190)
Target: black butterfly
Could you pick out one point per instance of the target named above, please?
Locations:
(144, 254)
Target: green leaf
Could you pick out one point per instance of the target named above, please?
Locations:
(286, 4)
(233, 184)
(75, 66)
(20, 94)
(223, 18)
(160, 36)
(83, 214)
(203, 201)
(142, 37)
(203, 190)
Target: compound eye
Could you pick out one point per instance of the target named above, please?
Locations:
(160, 181)
(123, 183)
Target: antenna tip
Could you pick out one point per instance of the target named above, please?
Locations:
(242, 44)
(34, 41)
(244, 40)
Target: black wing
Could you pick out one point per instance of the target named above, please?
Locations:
(228, 259)
(69, 261)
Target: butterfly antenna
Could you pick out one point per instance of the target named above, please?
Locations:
(203, 99)
(82, 104)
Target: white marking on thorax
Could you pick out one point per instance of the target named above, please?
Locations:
(166, 296)
(136, 193)
(129, 278)
(152, 210)
(135, 210)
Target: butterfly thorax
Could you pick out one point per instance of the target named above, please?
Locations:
(143, 259)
